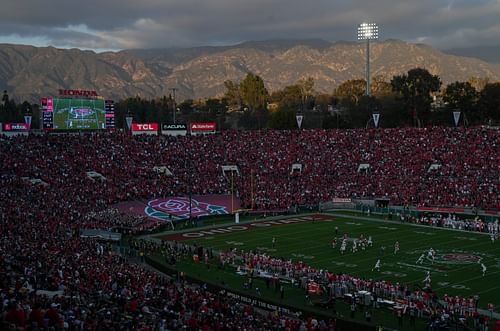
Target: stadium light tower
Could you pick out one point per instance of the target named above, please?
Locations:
(368, 31)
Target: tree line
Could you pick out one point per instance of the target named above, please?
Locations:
(416, 98)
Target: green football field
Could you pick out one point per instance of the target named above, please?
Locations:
(456, 269)
(79, 114)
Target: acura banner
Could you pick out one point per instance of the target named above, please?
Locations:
(177, 129)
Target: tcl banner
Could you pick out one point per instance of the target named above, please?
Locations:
(16, 127)
(203, 127)
(144, 126)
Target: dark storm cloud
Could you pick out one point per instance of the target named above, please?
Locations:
(114, 24)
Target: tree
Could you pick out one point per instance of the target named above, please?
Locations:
(381, 88)
(289, 98)
(253, 92)
(461, 96)
(415, 90)
(306, 87)
(489, 103)
(349, 92)
(233, 94)
(478, 82)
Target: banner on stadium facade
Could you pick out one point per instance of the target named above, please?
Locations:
(129, 121)
(174, 127)
(78, 93)
(341, 200)
(177, 129)
(145, 128)
(16, 127)
(441, 210)
(456, 117)
(299, 119)
(27, 119)
(203, 127)
(376, 118)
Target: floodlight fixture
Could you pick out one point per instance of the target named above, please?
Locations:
(367, 31)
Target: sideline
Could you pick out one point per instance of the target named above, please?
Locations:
(364, 218)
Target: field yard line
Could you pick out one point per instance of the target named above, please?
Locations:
(493, 288)
(470, 279)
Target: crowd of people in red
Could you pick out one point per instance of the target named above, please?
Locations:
(52, 278)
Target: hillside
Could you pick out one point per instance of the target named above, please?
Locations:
(30, 72)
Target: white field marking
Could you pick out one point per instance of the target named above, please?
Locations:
(387, 228)
(453, 286)
(474, 278)
(209, 238)
(235, 243)
(352, 223)
(414, 266)
(303, 256)
(266, 249)
(466, 238)
(343, 264)
(425, 233)
(489, 290)
(393, 273)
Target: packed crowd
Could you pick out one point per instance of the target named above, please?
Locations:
(52, 279)
(399, 169)
(451, 221)
(113, 219)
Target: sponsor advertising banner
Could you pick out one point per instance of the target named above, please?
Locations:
(145, 128)
(203, 127)
(177, 129)
(16, 127)
(174, 127)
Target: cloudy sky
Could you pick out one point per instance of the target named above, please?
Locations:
(122, 24)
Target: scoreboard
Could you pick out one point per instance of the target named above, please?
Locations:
(77, 114)
(47, 114)
(109, 108)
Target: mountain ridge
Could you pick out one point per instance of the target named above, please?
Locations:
(29, 72)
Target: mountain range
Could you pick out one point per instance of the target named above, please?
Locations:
(29, 72)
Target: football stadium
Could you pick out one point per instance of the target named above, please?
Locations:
(341, 229)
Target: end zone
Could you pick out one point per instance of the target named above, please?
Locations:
(244, 227)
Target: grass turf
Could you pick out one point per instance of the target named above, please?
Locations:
(455, 271)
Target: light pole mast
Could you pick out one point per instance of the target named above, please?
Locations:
(173, 89)
(368, 31)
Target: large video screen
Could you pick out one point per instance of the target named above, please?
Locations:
(78, 114)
